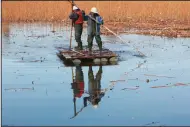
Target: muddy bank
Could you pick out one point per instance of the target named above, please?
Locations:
(166, 28)
(156, 27)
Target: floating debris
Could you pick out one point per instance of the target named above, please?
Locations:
(152, 123)
(147, 80)
(131, 88)
(158, 76)
(180, 84)
(18, 89)
(38, 36)
(159, 86)
(34, 61)
(177, 84)
(118, 81)
(53, 31)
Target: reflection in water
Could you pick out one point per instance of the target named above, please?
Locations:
(5, 35)
(78, 83)
(94, 88)
(77, 86)
(32, 106)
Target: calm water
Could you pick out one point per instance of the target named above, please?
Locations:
(37, 88)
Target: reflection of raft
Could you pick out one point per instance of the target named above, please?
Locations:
(72, 57)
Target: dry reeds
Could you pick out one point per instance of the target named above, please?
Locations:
(116, 11)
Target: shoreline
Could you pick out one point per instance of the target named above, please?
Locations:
(154, 28)
(172, 30)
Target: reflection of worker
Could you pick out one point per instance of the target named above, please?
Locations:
(94, 88)
(78, 84)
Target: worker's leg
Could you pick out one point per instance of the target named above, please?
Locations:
(91, 82)
(99, 42)
(90, 74)
(80, 42)
(99, 74)
(79, 74)
(98, 79)
(90, 42)
(78, 33)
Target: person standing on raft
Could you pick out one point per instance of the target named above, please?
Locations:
(93, 29)
(78, 18)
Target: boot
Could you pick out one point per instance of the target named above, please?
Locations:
(100, 51)
(80, 46)
(90, 52)
(76, 48)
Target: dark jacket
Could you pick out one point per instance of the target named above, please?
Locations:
(75, 16)
(94, 24)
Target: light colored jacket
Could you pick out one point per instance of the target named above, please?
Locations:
(99, 21)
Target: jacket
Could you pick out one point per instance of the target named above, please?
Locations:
(90, 22)
(77, 17)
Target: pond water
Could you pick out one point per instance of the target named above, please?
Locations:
(37, 89)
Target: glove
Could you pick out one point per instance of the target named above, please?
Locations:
(100, 20)
(83, 12)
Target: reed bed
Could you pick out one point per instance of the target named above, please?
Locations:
(112, 11)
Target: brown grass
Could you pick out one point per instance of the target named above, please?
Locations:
(117, 11)
(169, 18)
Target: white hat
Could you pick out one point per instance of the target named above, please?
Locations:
(75, 8)
(94, 10)
(95, 106)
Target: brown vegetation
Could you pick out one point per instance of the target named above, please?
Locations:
(172, 16)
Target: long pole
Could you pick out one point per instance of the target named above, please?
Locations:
(117, 36)
(74, 99)
(122, 40)
(71, 27)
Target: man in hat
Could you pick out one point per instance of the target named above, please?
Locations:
(93, 29)
(78, 17)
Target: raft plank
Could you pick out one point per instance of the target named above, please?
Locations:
(84, 54)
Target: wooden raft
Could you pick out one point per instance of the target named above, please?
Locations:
(69, 55)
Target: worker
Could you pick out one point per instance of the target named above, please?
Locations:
(93, 29)
(94, 88)
(78, 84)
(77, 17)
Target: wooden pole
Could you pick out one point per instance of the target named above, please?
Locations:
(71, 27)
(117, 36)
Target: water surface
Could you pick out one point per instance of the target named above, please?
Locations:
(37, 89)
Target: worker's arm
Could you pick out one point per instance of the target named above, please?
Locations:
(73, 16)
(85, 17)
(99, 20)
